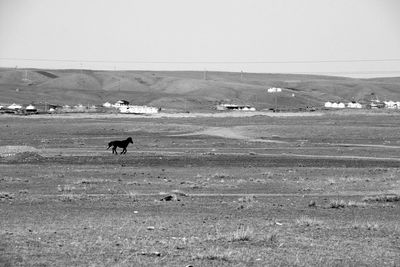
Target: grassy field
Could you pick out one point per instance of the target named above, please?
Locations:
(278, 190)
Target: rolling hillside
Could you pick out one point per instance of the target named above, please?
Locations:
(187, 90)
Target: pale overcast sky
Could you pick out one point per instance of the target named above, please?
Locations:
(200, 34)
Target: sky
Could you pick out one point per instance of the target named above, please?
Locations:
(335, 37)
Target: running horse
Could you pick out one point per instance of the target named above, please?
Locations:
(122, 144)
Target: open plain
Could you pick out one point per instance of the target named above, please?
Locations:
(228, 190)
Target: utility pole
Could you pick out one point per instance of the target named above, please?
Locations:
(241, 75)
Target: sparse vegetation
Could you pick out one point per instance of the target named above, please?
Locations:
(382, 198)
(365, 225)
(307, 221)
(6, 195)
(337, 204)
(132, 195)
(215, 254)
(247, 202)
(70, 197)
(352, 203)
(65, 188)
(241, 234)
(90, 181)
(268, 211)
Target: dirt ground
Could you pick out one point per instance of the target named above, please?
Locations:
(261, 190)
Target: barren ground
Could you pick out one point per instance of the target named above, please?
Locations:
(245, 190)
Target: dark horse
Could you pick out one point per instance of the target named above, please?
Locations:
(122, 144)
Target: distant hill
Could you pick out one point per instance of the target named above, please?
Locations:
(188, 90)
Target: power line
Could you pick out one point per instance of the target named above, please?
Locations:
(204, 62)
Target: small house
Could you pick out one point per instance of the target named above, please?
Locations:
(14, 106)
(107, 105)
(121, 103)
(31, 109)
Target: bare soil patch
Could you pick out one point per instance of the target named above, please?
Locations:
(12, 150)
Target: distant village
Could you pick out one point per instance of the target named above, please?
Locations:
(124, 107)
(374, 104)
(121, 106)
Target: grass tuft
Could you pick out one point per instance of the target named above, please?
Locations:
(241, 234)
(307, 221)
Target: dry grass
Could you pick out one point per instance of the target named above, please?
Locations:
(366, 225)
(132, 195)
(338, 204)
(65, 188)
(307, 221)
(91, 181)
(241, 234)
(247, 202)
(382, 198)
(215, 254)
(244, 233)
(70, 197)
(353, 203)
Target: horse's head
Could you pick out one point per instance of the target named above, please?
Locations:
(130, 140)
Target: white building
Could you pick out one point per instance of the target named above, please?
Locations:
(120, 103)
(274, 90)
(328, 104)
(30, 108)
(222, 107)
(107, 105)
(354, 105)
(14, 106)
(390, 104)
(138, 109)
